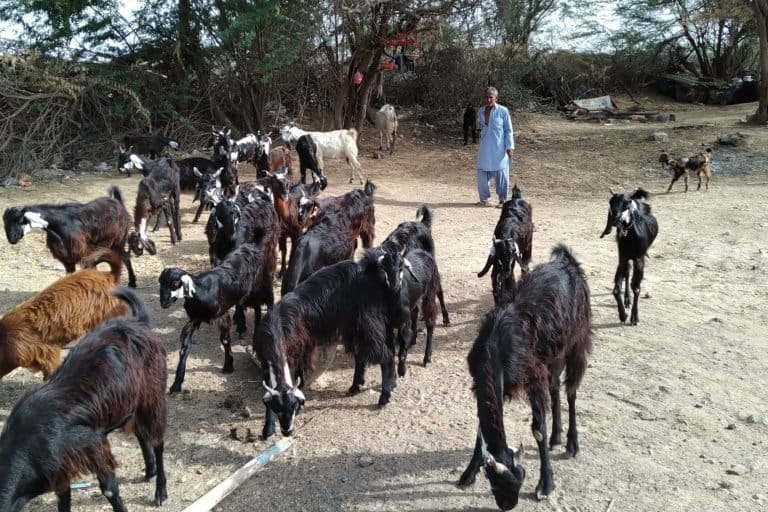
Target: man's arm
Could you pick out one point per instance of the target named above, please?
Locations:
(509, 139)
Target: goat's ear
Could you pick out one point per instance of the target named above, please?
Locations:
(218, 173)
(610, 191)
(197, 172)
(229, 132)
(120, 148)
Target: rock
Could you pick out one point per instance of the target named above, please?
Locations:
(755, 419)
(85, 165)
(737, 469)
(238, 433)
(725, 484)
(659, 137)
(246, 412)
(232, 402)
(733, 139)
(251, 437)
(182, 479)
(715, 320)
(664, 389)
(365, 461)
(457, 470)
(663, 117)
(102, 167)
(9, 182)
(731, 426)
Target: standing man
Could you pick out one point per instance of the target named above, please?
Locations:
(496, 148)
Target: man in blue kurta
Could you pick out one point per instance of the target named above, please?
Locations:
(496, 147)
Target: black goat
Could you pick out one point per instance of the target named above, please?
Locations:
(75, 231)
(523, 347)
(112, 380)
(470, 123)
(333, 235)
(160, 190)
(414, 282)
(233, 223)
(253, 148)
(304, 319)
(151, 145)
(512, 242)
(636, 229)
(240, 279)
(411, 235)
(307, 150)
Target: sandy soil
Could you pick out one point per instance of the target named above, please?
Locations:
(666, 409)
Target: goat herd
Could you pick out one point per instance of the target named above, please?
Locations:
(114, 378)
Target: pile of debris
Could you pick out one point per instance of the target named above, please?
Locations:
(604, 109)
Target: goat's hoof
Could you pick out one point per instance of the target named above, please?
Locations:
(228, 368)
(544, 489)
(446, 322)
(354, 389)
(572, 448)
(160, 496)
(467, 478)
(350, 180)
(554, 441)
(426, 361)
(266, 436)
(401, 369)
(175, 388)
(384, 399)
(132, 284)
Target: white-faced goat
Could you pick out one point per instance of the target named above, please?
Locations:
(333, 144)
(253, 148)
(303, 320)
(75, 231)
(636, 229)
(112, 380)
(242, 278)
(386, 123)
(512, 242)
(160, 190)
(522, 348)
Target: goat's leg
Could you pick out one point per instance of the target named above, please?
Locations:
(627, 300)
(69, 267)
(166, 209)
(428, 348)
(126, 257)
(358, 380)
(269, 423)
(621, 271)
(160, 214)
(554, 394)
(161, 491)
(388, 381)
(674, 179)
(110, 490)
(283, 250)
(177, 213)
(186, 344)
(637, 278)
(65, 500)
(367, 236)
(537, 397)
(468, 476)
(150, 468)
(225, 326)
(239, 320)
(685, 178)
(407, 338)
(443, 309)
(199, 211)
(466, 135)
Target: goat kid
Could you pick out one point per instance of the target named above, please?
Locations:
(307, 150)
(333, 144)
(238, 280)
(512, 243)
(636, 229)
(112, 380)
(523, 347)
(470, 123)
(386, 123)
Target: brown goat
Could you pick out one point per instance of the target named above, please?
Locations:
(699, 163)
(33, 333)
(280, 157)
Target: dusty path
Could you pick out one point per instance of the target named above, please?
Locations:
(666, 407)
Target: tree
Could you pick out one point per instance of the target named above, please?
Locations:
(518, 19)
(760, 8)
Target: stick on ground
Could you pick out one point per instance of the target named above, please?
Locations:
(236, 479)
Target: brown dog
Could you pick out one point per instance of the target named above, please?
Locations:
(700, 163)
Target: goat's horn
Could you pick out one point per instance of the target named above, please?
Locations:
(272, 391)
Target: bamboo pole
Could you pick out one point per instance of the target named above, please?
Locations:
(236, 479)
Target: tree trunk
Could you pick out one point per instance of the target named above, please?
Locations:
(761, 18)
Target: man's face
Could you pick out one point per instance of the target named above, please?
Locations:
(490, 99)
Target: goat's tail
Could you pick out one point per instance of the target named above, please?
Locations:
(138, 309)
(640, 193)
(353, 133)
(564, 253)
(516, 192)
(108, 256)
(370, 188)
(425, 214)
(115, 193)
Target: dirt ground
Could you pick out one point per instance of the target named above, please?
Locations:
(667, 410)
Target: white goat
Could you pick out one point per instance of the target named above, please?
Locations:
(334, 144)
(386, 122)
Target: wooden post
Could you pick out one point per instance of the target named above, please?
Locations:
(236, 479)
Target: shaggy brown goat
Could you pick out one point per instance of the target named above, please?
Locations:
(32, 334)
